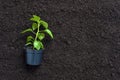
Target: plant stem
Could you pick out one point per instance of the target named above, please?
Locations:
(33, 32)
(37, 31)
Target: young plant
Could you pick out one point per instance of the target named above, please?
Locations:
(39, 34)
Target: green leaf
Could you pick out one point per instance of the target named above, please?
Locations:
(32, 19)
(34, 26)
(45, 24)
(30, 39)
(42, 47)
(35, 18)
(27, 30)
(41, 36)
(49, 33)
(38, 45)
(28, 43)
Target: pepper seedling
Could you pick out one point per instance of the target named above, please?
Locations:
(39, 34)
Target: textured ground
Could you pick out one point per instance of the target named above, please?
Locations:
(86, 43)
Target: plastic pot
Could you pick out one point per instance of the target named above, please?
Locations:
(33, 57)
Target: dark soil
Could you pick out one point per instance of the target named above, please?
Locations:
(86, 43)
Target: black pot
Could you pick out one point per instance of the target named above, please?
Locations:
(33, 57)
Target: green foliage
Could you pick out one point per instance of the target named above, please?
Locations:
(34, 26)
(35, 18)
(30, 39)
(41, 36)
(36, 41)
(44, 24)
(28, 43)
(49, 33)
(37, 44)
(27, 30)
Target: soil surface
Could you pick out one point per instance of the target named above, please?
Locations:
(86, 43)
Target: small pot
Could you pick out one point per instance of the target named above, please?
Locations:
(33, 57)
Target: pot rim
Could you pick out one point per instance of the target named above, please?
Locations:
(28, 47)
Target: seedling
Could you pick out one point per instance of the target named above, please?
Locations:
(39, 34)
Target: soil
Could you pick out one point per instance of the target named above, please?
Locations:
(86, 43)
